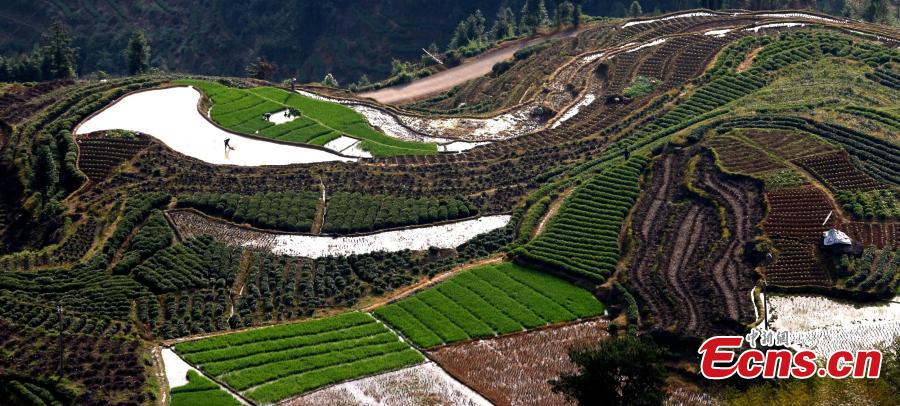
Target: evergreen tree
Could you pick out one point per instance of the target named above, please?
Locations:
(635, 9)
(460, 36)
(330, 81)
(475, 25)
(565, 10)
(576, 15)
(505, 24)
(620, 371)
(618, 10)
(534, 16)
(57, 53)
(137, 54)
(363, 81)
(877, 11)
(44, 171)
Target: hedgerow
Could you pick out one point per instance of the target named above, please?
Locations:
(354, 212)
(582, 238)
(289, 211)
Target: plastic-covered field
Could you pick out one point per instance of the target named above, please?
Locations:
(420, 238)
(825, 325)
(171, 116)
(416, 385)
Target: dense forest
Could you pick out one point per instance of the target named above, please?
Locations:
(347, 38)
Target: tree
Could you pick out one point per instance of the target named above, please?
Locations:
(137, 53)
(564, 12)
(44, 171)
(618, 10)
(534, 16)
(460, 36)
(261, 68)
(635, 9)
(475, 24)
(576, 15)
(363, 81)
(620, 371)
(330, 81)
(505, 24)
(877, 11)
(57, 53)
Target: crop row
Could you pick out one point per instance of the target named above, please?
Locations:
(797, 264)
(880, 204)
(875, 271)
(290, 211)
(876, 157)
(487, 301)
(319, 122)
(200, 391)
(838, 172)
(183, 266)
(276, 362)
(582, 238)
(352, 212)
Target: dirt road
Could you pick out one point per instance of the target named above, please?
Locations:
(470, 69)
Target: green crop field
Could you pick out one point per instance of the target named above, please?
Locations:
(241, 110)
(487, 301)
(583, 238)
(200, 391)
(274, 363)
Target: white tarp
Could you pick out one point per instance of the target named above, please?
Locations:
(832, 237)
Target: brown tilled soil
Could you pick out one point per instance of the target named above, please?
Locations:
(686, 276)
(514, 369)
(471, 69)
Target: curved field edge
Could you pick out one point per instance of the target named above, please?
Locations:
(266, 364)
(320, 121)
(488, 301)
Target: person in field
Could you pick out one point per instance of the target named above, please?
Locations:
(228, 144)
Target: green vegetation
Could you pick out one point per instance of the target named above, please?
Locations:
(137, 209)
(153, 236)
(875, 271)
(640, 86)
(486, 301)
(53, 59)
(320, 121)
(274, 363)
(355, 212)
(620, 371)
(582, 238)
(183, 266)
(200, 391)
(289, 211)
(783, 179)
(875, 204)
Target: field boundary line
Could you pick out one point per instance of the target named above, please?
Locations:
(237, 395)
(410, 290)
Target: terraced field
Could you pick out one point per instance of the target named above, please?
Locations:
(274, 363)
(201, 391)
(583, 238)
(320, 122)
(487, 301)
(557, 183)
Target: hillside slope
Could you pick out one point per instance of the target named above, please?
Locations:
(304, 38)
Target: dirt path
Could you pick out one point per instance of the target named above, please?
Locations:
(401, 293)
(554, 208)
(319, 219)
(748, 61)
(471, 69)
